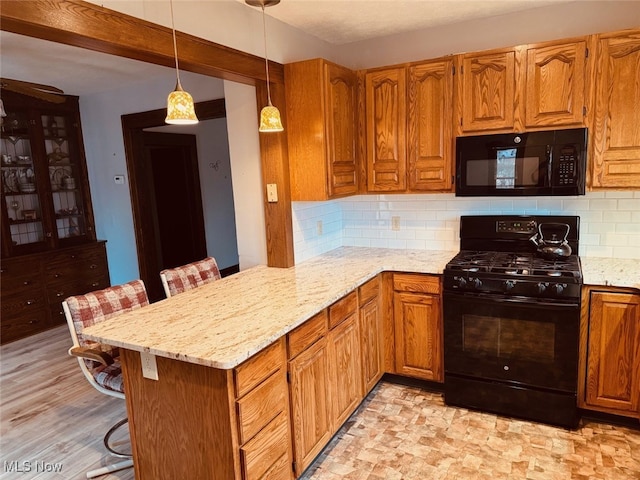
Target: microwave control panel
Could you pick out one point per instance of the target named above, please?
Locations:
(567, 166)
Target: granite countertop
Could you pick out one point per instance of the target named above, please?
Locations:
(622, 272)
(223, 323)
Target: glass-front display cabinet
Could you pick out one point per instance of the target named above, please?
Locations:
(45, 189)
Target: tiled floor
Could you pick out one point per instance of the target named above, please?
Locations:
(406, 433)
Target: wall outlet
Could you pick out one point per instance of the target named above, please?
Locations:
(395, 223)
(149, 366)
(118, 179)
(319, 227)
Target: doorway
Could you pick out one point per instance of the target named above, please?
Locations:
(174, 185)
(144, 197)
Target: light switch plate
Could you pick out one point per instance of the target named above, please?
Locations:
(149, 366)
(272, 192)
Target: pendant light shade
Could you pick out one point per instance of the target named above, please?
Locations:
(180, 108)
(269, 116)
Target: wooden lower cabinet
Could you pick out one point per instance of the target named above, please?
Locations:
(371, 334)
(610, 351)
(34, 286)
(213, 423)
(418, 326)
(309, 393)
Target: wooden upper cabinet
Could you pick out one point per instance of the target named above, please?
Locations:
(487, 90)
(430, 129)
(613, 358)
(321, 130)
(555, 85)
(615, 136)
(386, 120)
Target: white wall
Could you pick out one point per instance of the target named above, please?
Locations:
(246, 172)
(214, 167)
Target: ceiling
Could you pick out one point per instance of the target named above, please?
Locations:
(82, 72)
(345, 21)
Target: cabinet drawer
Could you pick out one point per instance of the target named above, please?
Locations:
(406, 282)
(20, 283)
(369, 290)
(307, 333)
(23, 303)
(88, 253)
(262, 458)
(261, 405)
(60, 290)
(14, 326)
(260, 366)
(342, 309)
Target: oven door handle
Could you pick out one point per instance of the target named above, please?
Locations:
(524, 301)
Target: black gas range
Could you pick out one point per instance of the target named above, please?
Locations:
(511, 319)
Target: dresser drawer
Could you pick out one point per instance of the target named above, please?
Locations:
(21, 283)
(19, 325)
(252, 372)
(261, 405)
(22, 303)
(342, 309)
(59, 291)
(266, 457)
(307, 333)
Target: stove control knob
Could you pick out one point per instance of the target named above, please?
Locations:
(558, 288)
(460, 281)
(509, 285)
(542, 287)
(477, 283)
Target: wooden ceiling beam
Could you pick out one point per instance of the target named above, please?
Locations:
(86, 25)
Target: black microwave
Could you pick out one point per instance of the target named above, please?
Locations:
(552, 162)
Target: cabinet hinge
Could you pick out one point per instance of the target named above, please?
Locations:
(584, 110)
(586, 53)
(288, 377)
(461, 69)
(293, 465)
(453, 70)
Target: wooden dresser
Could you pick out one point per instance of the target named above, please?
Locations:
(34, 286)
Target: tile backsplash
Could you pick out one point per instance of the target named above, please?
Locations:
(609, 221)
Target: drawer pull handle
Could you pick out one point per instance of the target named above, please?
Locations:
(95, 284)
(93, 266)
(60, 294)
(27, 282)
(30, 302)
(56, 275)
(33, 321)
(73, 256)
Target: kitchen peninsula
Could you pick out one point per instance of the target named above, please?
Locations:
(227, 368)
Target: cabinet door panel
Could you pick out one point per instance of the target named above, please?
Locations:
(616, 143)
(555, 85)
(345, 370)
(386, 130)
(613, 361)
(372, 347)
(341, 130)
(309, 391)
(488, 91)
(418, 335)
(430, 128)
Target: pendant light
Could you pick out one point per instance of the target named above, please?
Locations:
(270, 115)
(180, 109)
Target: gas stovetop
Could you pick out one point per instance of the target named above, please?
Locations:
(511, 264)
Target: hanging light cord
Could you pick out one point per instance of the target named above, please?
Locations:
(266, 58)
(175, 45)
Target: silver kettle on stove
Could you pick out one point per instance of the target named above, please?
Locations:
(551, 240)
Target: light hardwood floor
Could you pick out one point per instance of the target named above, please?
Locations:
(51, 415)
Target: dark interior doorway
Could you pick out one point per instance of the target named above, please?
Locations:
(143, 196)
(174, 184)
